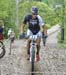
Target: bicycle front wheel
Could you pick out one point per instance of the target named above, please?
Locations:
(33, 59)
(2, 49)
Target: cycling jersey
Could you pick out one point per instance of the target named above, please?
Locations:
(11, 33)
(1, 29)
(1, 33)
(34, 24)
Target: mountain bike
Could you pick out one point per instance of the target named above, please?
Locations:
(11, 37)
(33, 52)
(2, 49)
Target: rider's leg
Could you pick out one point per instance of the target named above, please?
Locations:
(28, 46)
(38, 45)
(28, 49)
(38, 49)
(28, 42)
(38, 40)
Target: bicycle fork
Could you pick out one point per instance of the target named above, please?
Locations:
(32, 54)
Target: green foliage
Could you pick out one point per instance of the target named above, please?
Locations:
(7, 14)
(50, 15)
(44, 11)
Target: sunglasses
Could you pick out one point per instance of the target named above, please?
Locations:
(34, 13)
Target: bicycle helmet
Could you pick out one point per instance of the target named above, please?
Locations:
(34, 10)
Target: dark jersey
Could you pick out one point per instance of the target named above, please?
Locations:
(1, 29)
(1, 33)
(34, 26)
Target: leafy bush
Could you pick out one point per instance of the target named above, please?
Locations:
(45, 12)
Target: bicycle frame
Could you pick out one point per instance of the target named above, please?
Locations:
(33, 47)
(33, 52)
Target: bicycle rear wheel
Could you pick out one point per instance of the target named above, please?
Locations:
(2, 49)
(33, 59)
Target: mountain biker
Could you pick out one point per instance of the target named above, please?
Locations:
(1, 30)
(11, 35)
(34, 23)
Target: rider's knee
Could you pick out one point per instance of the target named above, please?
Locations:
(38, 40)
(38, 45)
(28, 41)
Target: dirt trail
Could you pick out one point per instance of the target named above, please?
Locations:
(53, 59)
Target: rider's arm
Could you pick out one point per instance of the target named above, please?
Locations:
(42, 24)
(22, 28)
(44, 29)
(24, 23)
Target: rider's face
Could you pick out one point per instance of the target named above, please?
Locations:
(34, 15)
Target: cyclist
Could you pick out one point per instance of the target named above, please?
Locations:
(11, 35)
(35, 22)
(1, 30)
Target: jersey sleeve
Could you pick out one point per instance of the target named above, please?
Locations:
(41, 23)
(25, 20)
